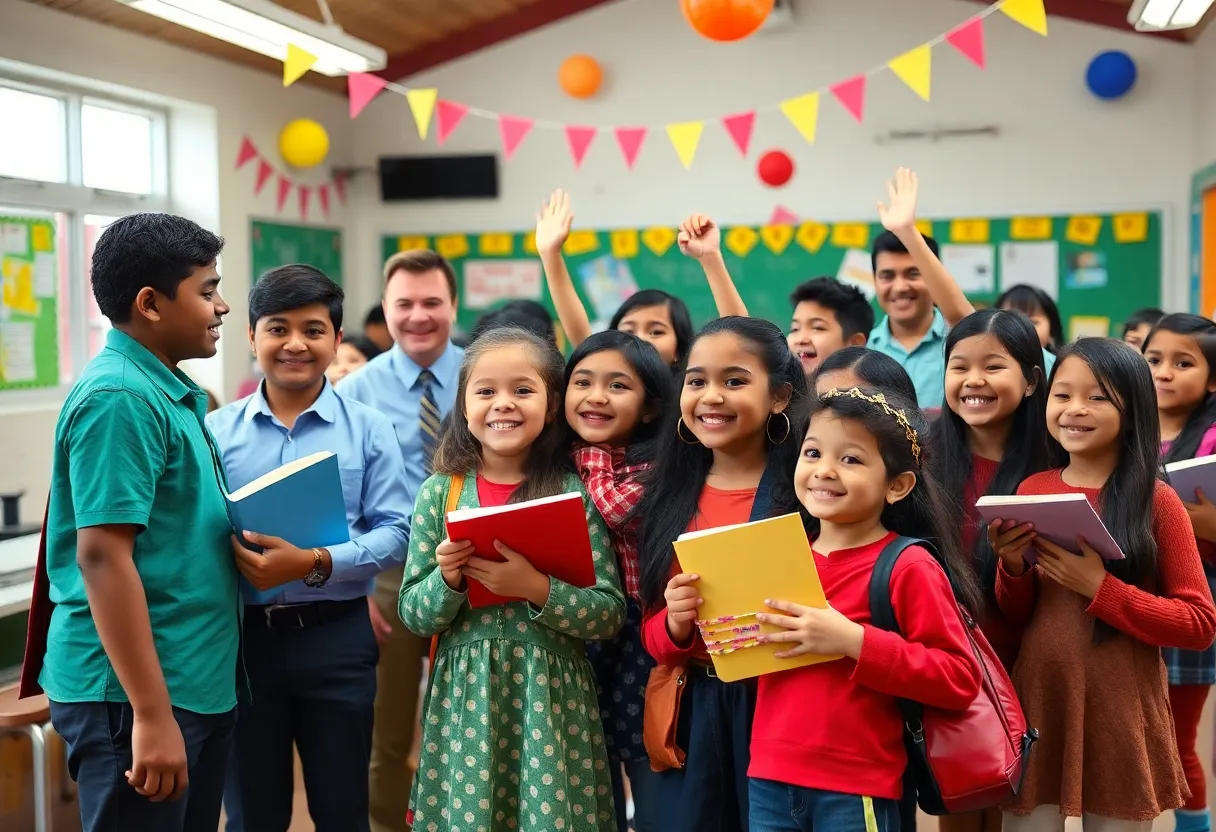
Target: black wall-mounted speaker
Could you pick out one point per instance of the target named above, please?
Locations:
(413, 178)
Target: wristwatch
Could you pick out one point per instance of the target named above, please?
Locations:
(317, 576)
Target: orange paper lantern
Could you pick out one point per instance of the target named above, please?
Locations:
(726, 20)
(580, 76)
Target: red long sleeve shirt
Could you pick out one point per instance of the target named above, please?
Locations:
(836, 726)
(1178, 613)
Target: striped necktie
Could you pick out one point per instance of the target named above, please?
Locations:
(428, 419)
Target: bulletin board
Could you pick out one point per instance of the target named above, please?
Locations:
(1100, 267)
(279, 244)
(29, 318)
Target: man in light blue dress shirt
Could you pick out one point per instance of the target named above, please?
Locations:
(420, 308)
(309, 650)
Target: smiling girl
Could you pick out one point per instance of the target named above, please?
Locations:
(1089, 674)
(1181, 352)
(506, 735)
(728, 457)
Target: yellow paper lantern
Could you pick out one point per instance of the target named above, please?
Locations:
(304, 143)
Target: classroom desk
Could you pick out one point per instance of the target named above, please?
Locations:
(18, 557)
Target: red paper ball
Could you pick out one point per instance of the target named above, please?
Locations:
(775, 168)
(726, 20)
(580, 76)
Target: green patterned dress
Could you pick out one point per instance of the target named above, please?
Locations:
(512, 738)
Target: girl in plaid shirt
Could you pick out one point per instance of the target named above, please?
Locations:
(1181, 351)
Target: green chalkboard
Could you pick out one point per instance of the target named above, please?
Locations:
(29, 303)
(1105, 266)
(278, 244)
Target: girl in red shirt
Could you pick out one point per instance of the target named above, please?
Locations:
(728, 458)
(1089, 673)
(827, 743)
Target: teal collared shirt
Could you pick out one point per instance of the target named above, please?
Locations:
(131, 448)
(926, 362)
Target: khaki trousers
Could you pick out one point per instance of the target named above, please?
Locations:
(398, 677)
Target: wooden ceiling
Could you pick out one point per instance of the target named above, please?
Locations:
(418, 34)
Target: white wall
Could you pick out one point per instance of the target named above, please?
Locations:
(1205, 96)
(1060, 149)
(213, 105)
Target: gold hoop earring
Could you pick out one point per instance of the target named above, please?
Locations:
(769, 432)
(680, 432)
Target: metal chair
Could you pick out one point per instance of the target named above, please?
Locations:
(31, 717)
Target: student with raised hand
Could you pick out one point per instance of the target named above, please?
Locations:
(141, 659)
(651, 314)
(309, 650)
(828, 316)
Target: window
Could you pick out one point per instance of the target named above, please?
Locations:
(84, 161)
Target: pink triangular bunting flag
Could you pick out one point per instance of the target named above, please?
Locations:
(630, 140)
(740, 129)
(363, 88)
(305, 193)
(783, 216)
(969, 39)
(448, 115)
(579, 139)
(513, 131)
(248, 153)
(852, 94)
(323, 199)
(340, 187)
(264, 173)
(284, 192)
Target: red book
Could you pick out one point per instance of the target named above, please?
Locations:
(550, 532)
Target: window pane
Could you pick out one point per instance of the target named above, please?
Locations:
(117, 150)
(35, 149)
(98, 324)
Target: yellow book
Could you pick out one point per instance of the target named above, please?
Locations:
(741, 566)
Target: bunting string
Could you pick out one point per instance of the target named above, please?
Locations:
(285, 185)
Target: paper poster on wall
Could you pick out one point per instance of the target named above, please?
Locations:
(1088, 326)
(17, 352)
(1031, 264)
(607, 282)
(973, 267)
(29, 322)
(14, 239)
(857, 270)
(486, 282)
(45, 277)
(1086, 270)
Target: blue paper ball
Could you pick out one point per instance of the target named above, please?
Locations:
(1111, 74)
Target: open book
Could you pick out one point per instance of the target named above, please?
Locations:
(301, 502)
(1191, 475)
(1060, 518)
(551, 532)
(740, 567)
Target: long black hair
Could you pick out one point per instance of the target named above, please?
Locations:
(876, 369)
(674, 484)
(654, 376)
(681, 321)
(1031, 300)
(1126, 499)
(922, 513)
(1203, 330)
(1026, 450)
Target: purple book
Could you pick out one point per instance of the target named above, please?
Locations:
(1193, 475)
(1060, 518)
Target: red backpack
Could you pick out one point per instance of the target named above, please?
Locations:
(965, 760)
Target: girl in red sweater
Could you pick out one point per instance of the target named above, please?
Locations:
(1089, 674)
(827, 744)
(728, 458)
(1181, 352)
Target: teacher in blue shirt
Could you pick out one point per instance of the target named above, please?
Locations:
(309, 650)
(414, 384)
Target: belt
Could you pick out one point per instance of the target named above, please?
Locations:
(301, 616)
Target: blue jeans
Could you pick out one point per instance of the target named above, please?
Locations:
(778, 807)
(98, 736)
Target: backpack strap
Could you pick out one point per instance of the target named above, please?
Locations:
(455, 486)
(762, 505)
(882, 614)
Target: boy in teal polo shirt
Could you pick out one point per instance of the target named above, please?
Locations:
(141, 657)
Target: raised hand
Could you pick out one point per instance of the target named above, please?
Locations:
(699, 237)
(553, 223)
(899, 216)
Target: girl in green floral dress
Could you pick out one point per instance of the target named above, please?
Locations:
(512, 738)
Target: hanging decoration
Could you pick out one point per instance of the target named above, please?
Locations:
(303, 143)
(297, 63)
(775, 169)
(1111, 75)
(265, 171)
(580, 76)
(720, 17)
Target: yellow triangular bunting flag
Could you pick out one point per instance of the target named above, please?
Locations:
(803, 113)
(913, 69)
(298, 62)
(1030, 13)
(422, 105)
(684, 138)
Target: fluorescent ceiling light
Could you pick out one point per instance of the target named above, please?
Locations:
(264, 27)
(1164, 15)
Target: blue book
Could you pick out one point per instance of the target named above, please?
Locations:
(301, 502)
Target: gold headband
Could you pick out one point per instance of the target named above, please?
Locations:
(880, 399)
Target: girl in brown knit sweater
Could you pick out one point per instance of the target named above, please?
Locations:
(1090, 674)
